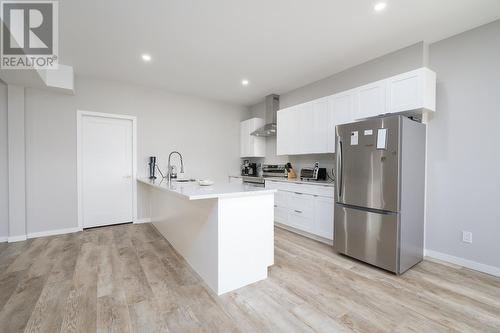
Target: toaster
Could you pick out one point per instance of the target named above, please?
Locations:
(315, 173)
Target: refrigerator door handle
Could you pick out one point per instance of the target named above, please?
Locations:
(340, 171)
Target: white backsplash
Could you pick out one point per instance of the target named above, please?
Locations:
(298, 161)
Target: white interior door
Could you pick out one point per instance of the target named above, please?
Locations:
(107, 171)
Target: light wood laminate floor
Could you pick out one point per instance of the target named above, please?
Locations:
(128, 278)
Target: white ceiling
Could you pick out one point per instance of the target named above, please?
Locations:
(206, 47)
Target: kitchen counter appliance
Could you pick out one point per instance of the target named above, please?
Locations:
(249, 169)
(254, 181)
(379, 209)
(274, 170)
(315, 173)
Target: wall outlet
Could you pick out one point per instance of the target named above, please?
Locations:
(467, 236)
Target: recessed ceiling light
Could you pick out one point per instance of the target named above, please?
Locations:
(245, 82)
(146, 57)
(380, 6)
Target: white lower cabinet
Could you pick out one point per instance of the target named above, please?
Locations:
(300, 222)
(323, 217)
(300, 207)
(280, 214)
(280, 204)
(304, 207)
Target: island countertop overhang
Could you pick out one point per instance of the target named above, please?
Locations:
(194, 191)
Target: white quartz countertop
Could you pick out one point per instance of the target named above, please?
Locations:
(296, 181)
(194, 191)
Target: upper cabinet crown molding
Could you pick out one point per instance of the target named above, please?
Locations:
(250, 145)
(309, 128)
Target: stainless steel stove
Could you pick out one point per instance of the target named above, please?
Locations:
(274, 170)
(254, 180)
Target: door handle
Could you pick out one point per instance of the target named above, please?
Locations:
(298, 211)
(340, 170)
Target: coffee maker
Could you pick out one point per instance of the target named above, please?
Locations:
(249, 169)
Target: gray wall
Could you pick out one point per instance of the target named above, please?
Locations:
(390, 64)
(397, 62)
(4, 176)
(205, 132)
(16, 160)
(51, 198)
(463, 155)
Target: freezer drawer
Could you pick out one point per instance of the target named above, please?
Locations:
(367, 236)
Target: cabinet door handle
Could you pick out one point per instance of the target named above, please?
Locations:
(298, 193)
(298, 211)
(275, 205)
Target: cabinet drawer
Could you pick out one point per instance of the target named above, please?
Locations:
(313, 189)
(301, 204)
(301, 222)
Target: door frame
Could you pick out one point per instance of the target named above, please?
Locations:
(79, 158)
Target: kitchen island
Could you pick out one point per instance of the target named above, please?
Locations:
(224, 231)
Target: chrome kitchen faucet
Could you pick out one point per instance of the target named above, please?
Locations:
(170, 168)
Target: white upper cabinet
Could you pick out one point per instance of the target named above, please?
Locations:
(303, 137)
(370, 100)
(341, 112)
(411, 91)
(343, 107)
(287, 131)
(309, 128)
(303, 128)
(313, 123)
(320, 125)
(282, 143)
(250, 145)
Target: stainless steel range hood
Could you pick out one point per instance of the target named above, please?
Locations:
(272, 107)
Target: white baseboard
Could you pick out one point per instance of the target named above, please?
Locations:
(4, 239)
(143, 220)
(12, 239)
(54, 232)
(463, 262)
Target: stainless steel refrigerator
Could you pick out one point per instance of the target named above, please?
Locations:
(379, 204)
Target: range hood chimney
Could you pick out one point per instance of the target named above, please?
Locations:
(272, 107)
